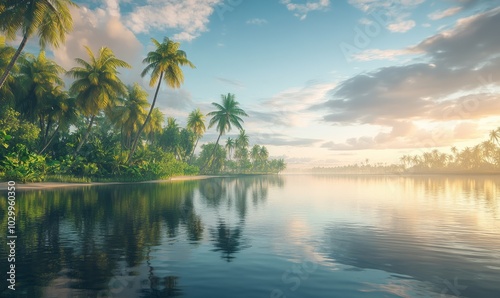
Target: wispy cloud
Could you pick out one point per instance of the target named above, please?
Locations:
(460, 80)
(301, 10)
(396, 13)
(188, 18)
(257, 21)
(440, 14)
(230, 82)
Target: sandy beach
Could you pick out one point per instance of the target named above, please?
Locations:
(48, 185)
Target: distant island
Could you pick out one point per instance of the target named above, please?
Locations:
(483, 158)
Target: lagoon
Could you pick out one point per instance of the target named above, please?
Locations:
(260, 236)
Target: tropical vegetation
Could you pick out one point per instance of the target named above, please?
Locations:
(100, 129)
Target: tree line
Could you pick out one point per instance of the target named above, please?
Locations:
(483, 158)
(99, 127)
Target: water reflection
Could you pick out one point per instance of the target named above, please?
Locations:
(81, 241)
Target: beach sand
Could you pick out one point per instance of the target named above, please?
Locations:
(48, 185)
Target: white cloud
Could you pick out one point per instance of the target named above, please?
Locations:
(402, 26)
(257, 21)
(394, 13)
(188, 18)
(437, 15)
(377, 54)
(301, 10)
(95, 29)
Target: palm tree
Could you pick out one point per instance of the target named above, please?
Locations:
(155, 124)
(228, 113)
(254, 154)
(242, 140)
(230, 143)
(131, 112)
(38, 76)
(164, 63)
(495, 135)
(64, 112)
(6, 54)
(196, 124)
(263, 156)
(49, 19)
(97, 85)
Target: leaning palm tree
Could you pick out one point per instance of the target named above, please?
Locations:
(49, 19)
(228, 113)
(196, 124)
(97, 85)
(164, 63)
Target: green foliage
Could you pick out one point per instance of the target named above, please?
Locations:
(22, 165)
(21, 131)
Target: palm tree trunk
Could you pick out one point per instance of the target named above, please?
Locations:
(211, 155)
(13, 60)
(50, 140)
(85, 136)
(134, 145)
(194, 148)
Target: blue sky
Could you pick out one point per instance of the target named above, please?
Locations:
(325, 82)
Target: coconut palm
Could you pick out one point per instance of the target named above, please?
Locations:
(254, 154)
(97, 85)
(164, 63)
(495, 135)
(227, 114)
(38, 76)
(242, 141)
(230, 144)
(50, 20)
(131, 111)
(64, 112)
(155, 124)
(196, 124)
(6, 54)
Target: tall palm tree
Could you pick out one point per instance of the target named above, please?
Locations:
(97, 85)
(254, 154)
(164, 63)
(50, 20)
(196, 124)
(228, 113)
(131, 112)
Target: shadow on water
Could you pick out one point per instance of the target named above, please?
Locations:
(234, 192)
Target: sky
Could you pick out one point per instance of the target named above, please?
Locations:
(325, 83)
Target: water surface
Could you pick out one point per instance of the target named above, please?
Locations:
(261, 236)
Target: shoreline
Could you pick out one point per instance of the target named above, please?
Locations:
(51, 185)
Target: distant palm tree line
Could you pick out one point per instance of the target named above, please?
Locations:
(481, 158)
(100, 125)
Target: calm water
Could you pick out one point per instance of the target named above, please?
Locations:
(264, 236)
